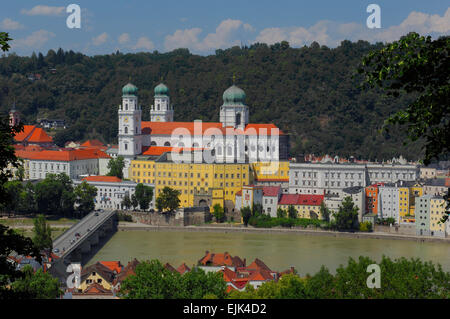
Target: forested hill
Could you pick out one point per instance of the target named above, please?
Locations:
(309, 92)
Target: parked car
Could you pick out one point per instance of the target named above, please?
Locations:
(96, 214)
(56, 250)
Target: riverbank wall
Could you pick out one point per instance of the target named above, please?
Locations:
(296, 231)
(182, 217)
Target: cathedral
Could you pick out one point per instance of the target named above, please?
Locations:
(232, 140)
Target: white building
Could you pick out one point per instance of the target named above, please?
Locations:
(111, 191)
(388, 202)
(270, 198)
(314, 178)
(334, 201)
(73, 162)
(232, 139)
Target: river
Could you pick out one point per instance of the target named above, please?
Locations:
(278, 251)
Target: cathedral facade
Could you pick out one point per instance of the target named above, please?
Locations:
(232, 140)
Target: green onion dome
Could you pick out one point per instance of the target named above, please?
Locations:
(129, 89)
(234, 95)
(161, 89)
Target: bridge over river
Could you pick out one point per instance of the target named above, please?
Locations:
(82, 240)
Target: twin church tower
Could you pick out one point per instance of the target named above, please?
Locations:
(233, 113)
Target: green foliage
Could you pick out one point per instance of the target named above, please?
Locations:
(308, 92)
(85, 195)
(4, 39)
(399, 279)
(281, 213)
(10, 242)
(292, 212)
(115, 166)
(42, 233)
(347, 216)
(55, 195)
(265, 221)
(126, 202)
(153, 281)
(246, 214)
(419, 66)
(124, 217)
(365, 226)
(324, 212)
(144, 195)
(8, 157)
(218, 213)
(168, 199)
(386, 221)
(37, 285)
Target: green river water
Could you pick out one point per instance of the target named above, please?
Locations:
(279, 251)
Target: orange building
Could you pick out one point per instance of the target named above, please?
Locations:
(372, 198)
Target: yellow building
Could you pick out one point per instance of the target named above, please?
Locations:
(96, 273)
(437, 211)
(218, 182)
(307, 206)
(407, 201)
(271, 171)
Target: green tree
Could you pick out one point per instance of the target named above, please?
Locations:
(324, 212)
(12, 190)
(246, 213)
(42, 233)
(4, 39)
(196, 284)
(152, 281)
(10, 242)
(218, 213)
(168, 199)
(84, 197)
(347, 216)
(144, 195)
(134, 202)
(55, 195)
(126, 202)
(36, 285)
(115, 166)
(416, 65)
(292, 212)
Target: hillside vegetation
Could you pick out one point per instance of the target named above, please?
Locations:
(312, 93)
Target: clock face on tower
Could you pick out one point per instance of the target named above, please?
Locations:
(158, 119)
(125, 119)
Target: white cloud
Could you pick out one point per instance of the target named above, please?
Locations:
(419, 22)
(9, 24)
(36, 40)
(44, 10)
(227, 34)
(100, 39)
(331, 33)
(124, 38)
(144, 43)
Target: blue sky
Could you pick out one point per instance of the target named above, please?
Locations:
(204, 26)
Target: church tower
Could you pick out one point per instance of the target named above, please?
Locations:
(130, 139)
(161, 111)
(14, 117)
(234, 112)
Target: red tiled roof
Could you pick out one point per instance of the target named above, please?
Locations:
(271, 190)
(113, 265)
(62, 154)
(39, 136)
(21, 136)
(224, 259)
(260, 275)
(108, 179)
(90, 143)
(156, 150)
(239, 193)
(183, 269)
(301, 199)
(96, 289)
(258, 264)
(228, 274)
